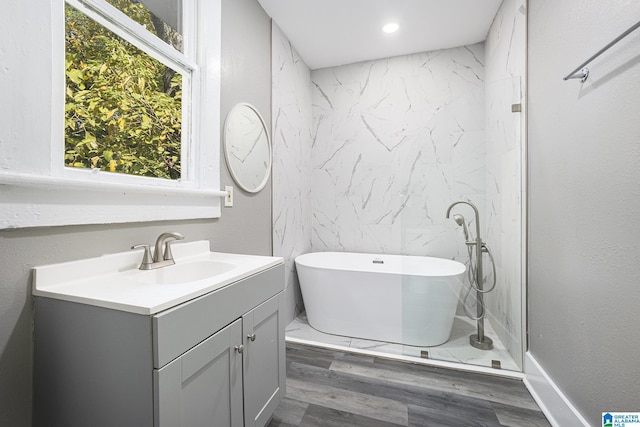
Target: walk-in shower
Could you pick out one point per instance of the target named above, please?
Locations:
(476, 278)
(383, 147)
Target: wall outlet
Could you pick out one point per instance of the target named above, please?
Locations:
(228, 199)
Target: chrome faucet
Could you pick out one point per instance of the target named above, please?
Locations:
(161, 258)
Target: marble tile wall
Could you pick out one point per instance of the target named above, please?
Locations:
(395, 141)
(504, 70)
(291, 138)
(368, 156)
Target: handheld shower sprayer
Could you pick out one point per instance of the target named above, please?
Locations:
(476, 278)
(459, 219)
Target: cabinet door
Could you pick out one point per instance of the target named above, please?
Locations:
(264, 361)
(203, 387)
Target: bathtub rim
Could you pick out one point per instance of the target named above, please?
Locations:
(457, 268)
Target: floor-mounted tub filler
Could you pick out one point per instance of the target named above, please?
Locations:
(398, 299)
(476, 276)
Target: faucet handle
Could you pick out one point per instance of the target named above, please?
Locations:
(147, 259)
(168, 256)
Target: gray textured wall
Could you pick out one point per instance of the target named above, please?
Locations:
(245, 228)
(246, 77)
(584, 203)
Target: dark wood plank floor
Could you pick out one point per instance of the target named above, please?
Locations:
(332, 388)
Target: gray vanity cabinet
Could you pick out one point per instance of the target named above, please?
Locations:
(205, 386)
(217, 360)
(264, 361)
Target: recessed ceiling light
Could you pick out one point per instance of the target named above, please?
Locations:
(391, 27)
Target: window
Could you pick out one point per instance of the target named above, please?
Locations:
(123, 107)
(162, 18)
(134, 131)
(126, 81)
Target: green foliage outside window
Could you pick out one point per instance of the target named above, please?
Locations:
(123, 108)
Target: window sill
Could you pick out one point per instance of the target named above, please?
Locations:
(28, 200)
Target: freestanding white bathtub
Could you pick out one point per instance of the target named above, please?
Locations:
(392, 298)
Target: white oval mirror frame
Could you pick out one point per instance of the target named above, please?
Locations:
(247, 147)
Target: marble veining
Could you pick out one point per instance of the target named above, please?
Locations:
(505, 68)
(368, 156)
(291, 94)
(395, 141)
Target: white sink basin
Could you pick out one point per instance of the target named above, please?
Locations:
(114, 281)
(182, 273)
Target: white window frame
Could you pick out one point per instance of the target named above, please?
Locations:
(58, 195)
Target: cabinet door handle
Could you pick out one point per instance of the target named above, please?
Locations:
(239, 348)
(252, 337)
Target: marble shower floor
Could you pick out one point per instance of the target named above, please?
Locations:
(456, 350)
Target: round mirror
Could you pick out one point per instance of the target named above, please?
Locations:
(247, 148)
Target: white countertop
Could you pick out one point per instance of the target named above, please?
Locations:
(112, 281)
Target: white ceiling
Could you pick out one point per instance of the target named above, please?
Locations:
(335, 32)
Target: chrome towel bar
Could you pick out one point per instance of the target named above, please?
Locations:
(581, 72)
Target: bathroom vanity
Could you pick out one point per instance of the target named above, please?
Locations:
(201, 344)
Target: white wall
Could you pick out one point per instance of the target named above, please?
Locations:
(505, 53)
(292, 162)
(395, 142)
(584, 203)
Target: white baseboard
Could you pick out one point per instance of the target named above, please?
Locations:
(555, 405)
